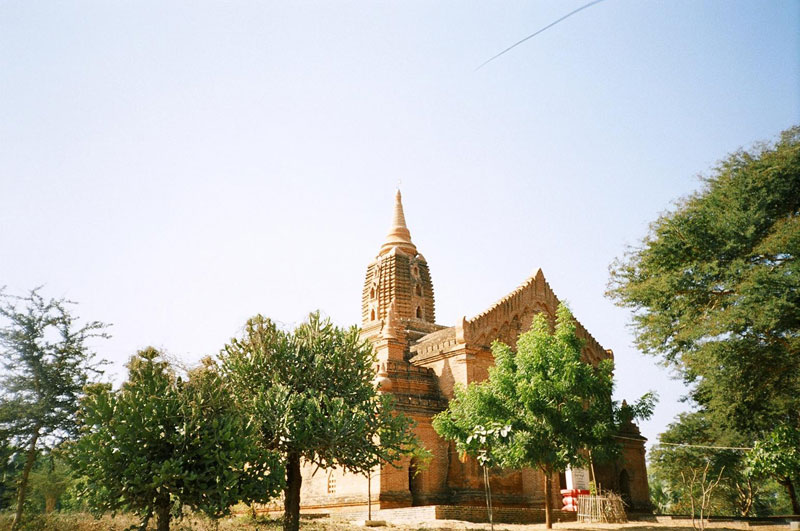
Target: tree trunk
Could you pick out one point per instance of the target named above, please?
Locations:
(488, 495)
(291, 502)
(50, 503)
(787, 482)
(30, 458)
(745, 497)
(548, 493)
(162, 512)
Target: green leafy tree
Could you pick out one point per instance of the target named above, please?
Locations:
(50, 479)
(10, 467)
(661, 494)
(715, 287)
(479, 445)
(715, 290)
(47, 362)
(312, 393)
(687, 448)
(160, 441)
(558, 407)
(778, 455)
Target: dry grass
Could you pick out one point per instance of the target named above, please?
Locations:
(121, 522)
(86, 522)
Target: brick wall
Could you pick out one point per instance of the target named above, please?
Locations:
(507, 515)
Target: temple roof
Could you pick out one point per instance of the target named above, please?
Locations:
(504, 320)
(398, 235)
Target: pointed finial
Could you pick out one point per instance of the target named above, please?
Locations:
(399, 221)
(398, 236)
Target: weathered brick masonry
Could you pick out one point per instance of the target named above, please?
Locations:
(419, 362)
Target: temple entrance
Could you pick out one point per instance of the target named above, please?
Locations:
(625, 488)
(414, 482)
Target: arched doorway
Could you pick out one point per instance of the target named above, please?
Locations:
(625, 488)
(414, 481)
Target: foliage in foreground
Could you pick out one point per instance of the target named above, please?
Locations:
(50, 480)
(556, 406)
(46, 364)
(312, 394)
(189, 522)
(715, 291)
(743, 489)
(715, 288)
(160, 442)
(777, 455)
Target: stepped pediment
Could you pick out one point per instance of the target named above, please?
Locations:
(504, 321)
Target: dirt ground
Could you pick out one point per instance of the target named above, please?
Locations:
(332, 524)
(85, 522)
(454, 525)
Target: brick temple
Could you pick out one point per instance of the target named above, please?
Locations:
(419, 361)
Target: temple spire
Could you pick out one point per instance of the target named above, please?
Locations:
(398, 235)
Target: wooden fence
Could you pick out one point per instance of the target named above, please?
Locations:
(608, 508)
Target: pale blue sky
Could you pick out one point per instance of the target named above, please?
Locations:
(177, 167)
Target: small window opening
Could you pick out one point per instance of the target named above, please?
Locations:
(419, 290)
(419, 312)
(372, 315)
(372, 293)
(331, 484)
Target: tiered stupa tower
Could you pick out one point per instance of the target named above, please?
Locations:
(420, 363)
(398, 291)
(397, 310)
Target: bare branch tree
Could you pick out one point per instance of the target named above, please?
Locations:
(702, 498)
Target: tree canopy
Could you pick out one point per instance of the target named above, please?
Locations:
(687, 447)
(312, 394)
(556, 406)
(161, 440)
(715, 291)
(715, 288)
(778, 455)
(46, 363)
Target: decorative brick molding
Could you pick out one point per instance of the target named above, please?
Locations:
(421, 363)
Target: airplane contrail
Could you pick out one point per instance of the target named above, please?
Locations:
(590, 4)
